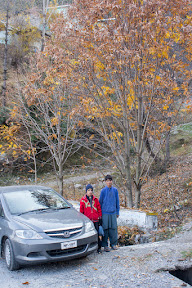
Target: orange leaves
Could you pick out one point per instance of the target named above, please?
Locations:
(75, 62)
(51, 137)
(107, 90)
(113, 108)
(165, 107)
(165, 53)
(54, 121)
(176, 89)
(81, 124)
(158, 77)
(8, 132)
(13, 145)
(49, 80)
(91, 137)
(117, 137)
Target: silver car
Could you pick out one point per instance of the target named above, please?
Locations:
(38, 225)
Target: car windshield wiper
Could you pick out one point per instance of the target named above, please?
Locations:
(35, 210)
(59, 208)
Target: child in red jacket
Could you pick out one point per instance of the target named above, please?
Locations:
(90, 207)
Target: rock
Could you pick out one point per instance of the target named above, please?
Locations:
(78, 186)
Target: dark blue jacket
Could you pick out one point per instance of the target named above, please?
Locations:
(109, 200)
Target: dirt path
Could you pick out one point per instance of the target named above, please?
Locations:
(76, 179)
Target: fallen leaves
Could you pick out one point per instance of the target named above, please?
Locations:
(170, 196)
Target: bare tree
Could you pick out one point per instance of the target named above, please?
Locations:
(8, 9)
(46, 107)
(4, 86)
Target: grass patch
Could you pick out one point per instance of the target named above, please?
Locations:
(187, 254)
(181, 139)
(167, 233)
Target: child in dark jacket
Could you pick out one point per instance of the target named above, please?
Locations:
(90, 207)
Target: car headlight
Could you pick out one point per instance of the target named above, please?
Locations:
(28, 234)
(89, 226)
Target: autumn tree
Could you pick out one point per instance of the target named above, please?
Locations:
(46, 106)
(132, 60)
(25, 34)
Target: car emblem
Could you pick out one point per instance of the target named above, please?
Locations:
(66, 234)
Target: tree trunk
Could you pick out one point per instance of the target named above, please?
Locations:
(137, 195)
(151, 153)
(127, 160)
(167, 145)
(43, 32)
(138, 151)
(60, 178)
(45, 6)
(128, 183)
(4, 87)
(129, 200)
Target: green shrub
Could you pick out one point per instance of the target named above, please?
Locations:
(4, 115)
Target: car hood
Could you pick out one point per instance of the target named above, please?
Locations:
(52, 220)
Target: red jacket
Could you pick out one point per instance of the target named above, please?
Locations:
(94, 213)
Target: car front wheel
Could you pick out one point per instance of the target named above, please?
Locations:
(9, 256)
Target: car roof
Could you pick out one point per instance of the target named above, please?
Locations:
(20, 188)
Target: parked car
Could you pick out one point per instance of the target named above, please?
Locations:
(38, 225)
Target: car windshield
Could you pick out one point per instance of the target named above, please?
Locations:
(30, 200)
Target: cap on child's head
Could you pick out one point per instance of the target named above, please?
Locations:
(108, 177)
(89, 186)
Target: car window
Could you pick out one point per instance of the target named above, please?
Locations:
(1, 210)
(24, 201)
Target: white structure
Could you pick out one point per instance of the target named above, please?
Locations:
(142, 219)
(128, 217)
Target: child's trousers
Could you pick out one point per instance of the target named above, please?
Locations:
(96, 224)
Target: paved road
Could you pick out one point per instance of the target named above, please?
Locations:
(130, 267)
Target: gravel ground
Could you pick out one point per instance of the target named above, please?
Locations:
(143, 265)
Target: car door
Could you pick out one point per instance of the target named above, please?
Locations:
(2, 222)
